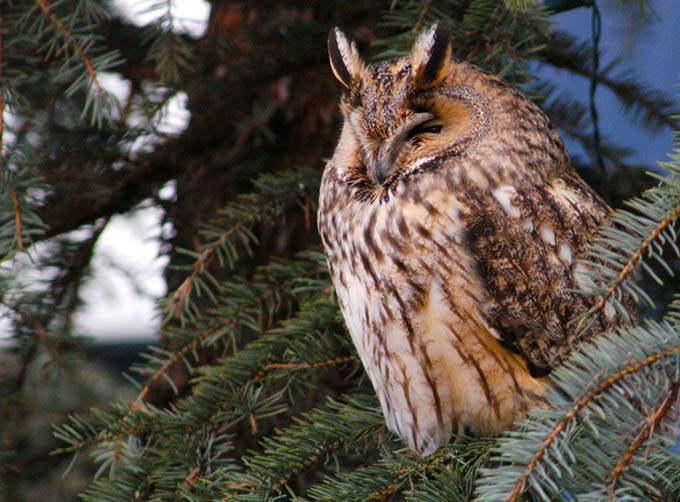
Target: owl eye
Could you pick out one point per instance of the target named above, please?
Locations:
(424, 129)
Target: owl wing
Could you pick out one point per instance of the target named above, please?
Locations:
(527, 238)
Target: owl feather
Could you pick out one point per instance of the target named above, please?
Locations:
(453, 225)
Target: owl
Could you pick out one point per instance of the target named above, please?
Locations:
(453, 224)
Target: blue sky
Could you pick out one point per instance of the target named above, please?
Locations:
(651, 51)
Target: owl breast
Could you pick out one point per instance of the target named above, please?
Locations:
(411, 299)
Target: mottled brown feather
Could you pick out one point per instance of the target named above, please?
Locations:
(453, 224)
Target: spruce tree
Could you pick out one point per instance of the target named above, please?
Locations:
(255, 391)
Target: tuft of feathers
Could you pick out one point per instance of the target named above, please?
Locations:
(344, 57)
(431, 57)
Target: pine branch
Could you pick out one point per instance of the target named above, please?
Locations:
(554, 6)
(336, 361)
(305, 341)
(20, 225)
(225, 407)
(648, 230)
(13, 194)
(542, 449)
(46, 8)
(176, 357)
(652, 421)
(170, 52)
(393, 474)
(653, 236)
(81, 432)
(233, 229)
(448, 474)
(103, 104)
(475, 32)
(120, 429)
(245, 309)
(315, 438)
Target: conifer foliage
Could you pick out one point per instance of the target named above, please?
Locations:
(255, 391)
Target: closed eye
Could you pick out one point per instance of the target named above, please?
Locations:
(424, 129)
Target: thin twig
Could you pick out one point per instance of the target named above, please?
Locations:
(652, 420)
(300, 366)
(181, 295)
(100, 438)
(46, 7)
(183, 292)
(421, 17)
(5, 176)
(137, 403)
(13, 193)
(634, 260)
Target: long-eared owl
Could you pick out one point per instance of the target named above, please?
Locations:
(452, 223)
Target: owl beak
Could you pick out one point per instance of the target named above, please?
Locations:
(381, 172)
(391, 147)
(382, 168)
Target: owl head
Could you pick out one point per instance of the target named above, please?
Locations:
(404, 113)
(425, 112)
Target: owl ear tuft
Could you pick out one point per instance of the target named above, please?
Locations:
(431, 56)
(344, 57)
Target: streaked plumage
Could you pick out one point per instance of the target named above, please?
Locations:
(452, 223)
